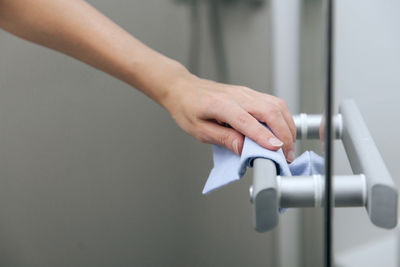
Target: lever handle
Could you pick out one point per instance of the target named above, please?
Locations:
(365, 158)
(371, 184)
(266, 195)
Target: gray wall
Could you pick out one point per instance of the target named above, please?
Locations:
(92, 173)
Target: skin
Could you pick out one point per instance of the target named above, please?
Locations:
(200, 107)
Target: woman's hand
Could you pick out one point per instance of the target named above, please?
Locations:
(199, 106)
(203, 108)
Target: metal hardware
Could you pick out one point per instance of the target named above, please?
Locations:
(371, 184)
(365, 158)
(308, 125)
(309, 191)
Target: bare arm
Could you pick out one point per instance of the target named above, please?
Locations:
(199, 106)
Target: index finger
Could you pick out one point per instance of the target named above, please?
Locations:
(246, 124)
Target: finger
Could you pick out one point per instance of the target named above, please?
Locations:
(247, 125)
(281, 129)
(223, 136)
(268, 100)
(274, 112)
(288, 117)
(276, 122)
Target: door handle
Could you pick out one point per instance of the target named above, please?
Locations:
(370, 186)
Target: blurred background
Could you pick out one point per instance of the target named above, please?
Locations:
(93, 173)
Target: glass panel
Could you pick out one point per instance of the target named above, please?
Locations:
(367, 70)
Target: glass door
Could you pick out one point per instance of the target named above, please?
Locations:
(367, 72)
(349, 73)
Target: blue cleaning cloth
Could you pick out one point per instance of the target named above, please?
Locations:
(229, 167)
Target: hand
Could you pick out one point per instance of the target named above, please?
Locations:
(199, 106)
(202, 107)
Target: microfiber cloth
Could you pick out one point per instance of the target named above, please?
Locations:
(229, 167)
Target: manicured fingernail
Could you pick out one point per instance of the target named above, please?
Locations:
(275, 142)
(290, 156)
(235, 145)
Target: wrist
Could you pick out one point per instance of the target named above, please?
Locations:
(178, 79)
(158, 77)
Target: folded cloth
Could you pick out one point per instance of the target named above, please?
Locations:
(229, 167)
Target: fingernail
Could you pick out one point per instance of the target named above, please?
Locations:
(290, 156)
(235, 145)
(275, 142)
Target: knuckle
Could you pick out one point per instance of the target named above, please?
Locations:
(242, 119)
(260, 132)
(266, 97)
(246, 89)
(223, 139)
(242, 88)
(200, 135)
(287, 140)
(273, 114)
(213, 103)
(281, 103)
(201, 138)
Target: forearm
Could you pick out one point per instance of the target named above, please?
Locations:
(199, 106)
(75, 28)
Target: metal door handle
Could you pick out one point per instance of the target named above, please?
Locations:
(370, 185)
